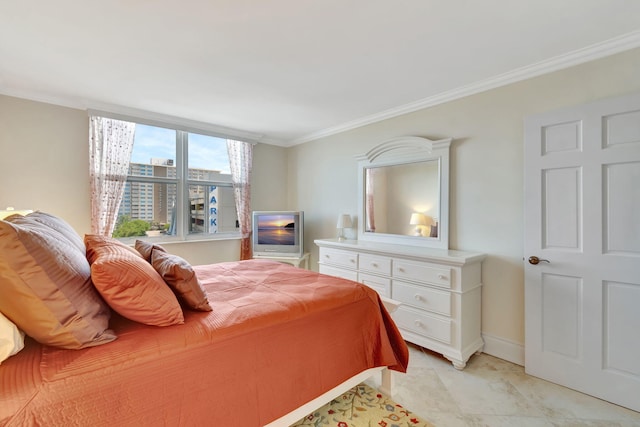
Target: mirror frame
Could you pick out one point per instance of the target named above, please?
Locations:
(398, 151)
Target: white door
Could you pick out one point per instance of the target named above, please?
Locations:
(582, 220)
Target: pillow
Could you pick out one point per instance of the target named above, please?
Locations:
(145, 248)
(11, 339)
(45, 287)
(60, 226)
(129, 284)
(181, 278)
(95, 243)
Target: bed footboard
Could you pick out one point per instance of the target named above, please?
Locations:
(293, 416)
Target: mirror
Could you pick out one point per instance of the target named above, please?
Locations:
(403, 199)
(403, 192)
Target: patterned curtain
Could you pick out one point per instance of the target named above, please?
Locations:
(110, 147)
(241, 160)
(370, 225)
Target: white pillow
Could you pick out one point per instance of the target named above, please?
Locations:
(11, 339)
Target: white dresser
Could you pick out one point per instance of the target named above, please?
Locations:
(439, 290)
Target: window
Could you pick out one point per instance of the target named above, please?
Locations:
(179, 184)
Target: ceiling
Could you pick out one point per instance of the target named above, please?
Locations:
(289, 71)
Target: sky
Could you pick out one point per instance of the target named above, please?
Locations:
(205, 152)
(275, 220)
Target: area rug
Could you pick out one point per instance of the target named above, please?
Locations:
(362, 406)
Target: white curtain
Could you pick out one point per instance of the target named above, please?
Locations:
(110, 147)
(241, 161)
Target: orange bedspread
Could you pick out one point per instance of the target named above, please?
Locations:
(277, 337)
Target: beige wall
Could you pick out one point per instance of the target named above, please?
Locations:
(44, 164)
(486, 203)
(45, 159)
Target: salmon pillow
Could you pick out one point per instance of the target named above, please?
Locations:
(181, 278)
(129, 284)
(45, 287)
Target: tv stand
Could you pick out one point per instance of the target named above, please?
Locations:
(293, 260)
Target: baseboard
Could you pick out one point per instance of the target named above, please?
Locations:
(504, 349)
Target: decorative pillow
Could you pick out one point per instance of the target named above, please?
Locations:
(96, 244)
(60, 225)
(11, 339)
(181, 278)
(129, 284)
(145, 248)
(45, 287)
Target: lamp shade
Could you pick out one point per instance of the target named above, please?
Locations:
(417, 219)
(344, 221)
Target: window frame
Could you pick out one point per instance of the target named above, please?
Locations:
(182, 182)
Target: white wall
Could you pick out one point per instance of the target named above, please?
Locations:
(486, 202)
(44, 164)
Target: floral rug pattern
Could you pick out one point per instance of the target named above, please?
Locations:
(362, 406)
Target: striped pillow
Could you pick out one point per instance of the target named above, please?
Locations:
(45, 287)
(129, 284)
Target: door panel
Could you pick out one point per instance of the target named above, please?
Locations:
(582, 219)
(621, 231)
(562, 321)
(621, 302)
(562, 208)
(562, 137)
(622, 128)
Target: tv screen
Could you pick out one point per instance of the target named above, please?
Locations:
(277, 233)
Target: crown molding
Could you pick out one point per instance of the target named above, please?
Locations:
(133, 114)
(151, 118)
(596, 51)
(158, 119)
(36, 96)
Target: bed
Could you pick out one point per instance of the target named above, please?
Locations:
(276, 338)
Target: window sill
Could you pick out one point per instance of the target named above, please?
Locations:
(192, 238)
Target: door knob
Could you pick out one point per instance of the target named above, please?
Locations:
(534, 260)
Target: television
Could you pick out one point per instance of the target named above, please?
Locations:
(277, 233)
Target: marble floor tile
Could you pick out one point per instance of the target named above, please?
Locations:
(492, 392)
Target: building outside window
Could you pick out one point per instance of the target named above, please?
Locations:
(178, 186)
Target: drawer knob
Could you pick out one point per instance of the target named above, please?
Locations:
(418, 297)
(373, 264)
(442, 277)
(401, 270)
(352, 261)
(418, 323)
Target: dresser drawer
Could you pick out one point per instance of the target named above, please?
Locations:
(422, 297)
(338, 257)
(421, 273)
(374, 264)
(422, 324)
(338, 272)
(381, 284)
